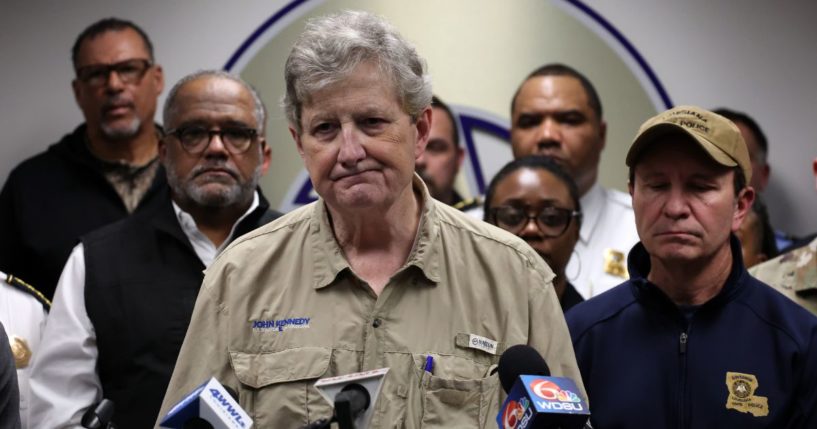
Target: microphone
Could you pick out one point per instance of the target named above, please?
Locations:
(99, 416)
(352, 396)
(535, 399)
(209, 406)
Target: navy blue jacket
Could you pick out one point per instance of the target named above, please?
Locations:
(645, 365)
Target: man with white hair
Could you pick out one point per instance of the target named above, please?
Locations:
(374, 274)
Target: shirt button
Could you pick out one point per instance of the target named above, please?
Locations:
(376, 323)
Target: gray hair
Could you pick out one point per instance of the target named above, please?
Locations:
(260, 110)
(331, 47)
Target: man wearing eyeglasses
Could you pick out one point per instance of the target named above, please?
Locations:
(103, 171)
(556, 112)
(126, 294)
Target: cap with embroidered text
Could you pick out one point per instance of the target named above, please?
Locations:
(716, 135)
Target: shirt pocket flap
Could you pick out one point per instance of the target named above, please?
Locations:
(261, 369)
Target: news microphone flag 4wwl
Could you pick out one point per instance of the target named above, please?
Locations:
(212, 403)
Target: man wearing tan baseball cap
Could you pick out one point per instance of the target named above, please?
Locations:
(692, 333)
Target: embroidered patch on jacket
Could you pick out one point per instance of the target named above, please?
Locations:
(614, 263)
(742, 388)
(280, 325)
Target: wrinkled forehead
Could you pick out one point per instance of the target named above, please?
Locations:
(363, 89)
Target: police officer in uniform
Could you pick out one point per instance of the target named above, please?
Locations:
(23, 311)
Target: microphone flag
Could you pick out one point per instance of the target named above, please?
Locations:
(212, 403)
(369, 380)
(537, 401)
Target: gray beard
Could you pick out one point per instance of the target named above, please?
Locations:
(225, 197)
(122, 133)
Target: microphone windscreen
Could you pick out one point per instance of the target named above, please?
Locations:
(519, 360)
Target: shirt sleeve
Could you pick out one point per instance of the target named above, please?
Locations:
(548, 329)
(64, 382)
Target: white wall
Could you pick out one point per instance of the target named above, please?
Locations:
(756, 56)
(759, 57)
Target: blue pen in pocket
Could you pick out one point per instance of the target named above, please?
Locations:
(427, 370)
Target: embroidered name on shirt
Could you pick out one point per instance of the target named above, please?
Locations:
(281, 325)
(482, 343)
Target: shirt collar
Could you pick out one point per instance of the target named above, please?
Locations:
(593, 203)
(330, 261)
(639, 265)
(204, 248)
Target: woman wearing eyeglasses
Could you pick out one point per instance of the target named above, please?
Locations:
(534, 198)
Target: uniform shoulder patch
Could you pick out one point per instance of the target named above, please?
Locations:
(19, 284)
(468, 204)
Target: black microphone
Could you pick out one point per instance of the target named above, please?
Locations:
(352, 397)
(350, 403)
(535, 399)
(520, 360)
(99, 416)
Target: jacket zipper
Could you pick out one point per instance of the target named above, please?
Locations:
(682, 350)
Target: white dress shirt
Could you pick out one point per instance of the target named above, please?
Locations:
(64, 381)
(607, 234)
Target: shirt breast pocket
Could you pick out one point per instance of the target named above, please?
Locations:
(278, 387)
(458, 393)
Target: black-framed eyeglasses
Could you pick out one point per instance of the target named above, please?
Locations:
(129, 71)
(552, 221)
(196, 139)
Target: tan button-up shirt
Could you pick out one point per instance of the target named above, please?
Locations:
(281, 308)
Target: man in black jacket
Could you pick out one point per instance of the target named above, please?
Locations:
(103, 171)
(125, 298)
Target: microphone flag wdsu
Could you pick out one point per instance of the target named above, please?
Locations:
(535, 398)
